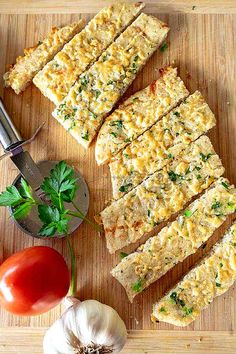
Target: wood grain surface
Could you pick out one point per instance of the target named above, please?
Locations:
(203, 47)
(139, 342)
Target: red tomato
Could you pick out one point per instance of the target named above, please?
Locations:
(33, 281)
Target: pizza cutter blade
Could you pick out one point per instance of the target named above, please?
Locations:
(34, 174)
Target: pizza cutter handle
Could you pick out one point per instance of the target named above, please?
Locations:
(9, 136)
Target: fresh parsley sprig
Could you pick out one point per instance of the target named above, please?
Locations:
(59, 187)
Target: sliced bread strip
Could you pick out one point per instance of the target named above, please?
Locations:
(34, 59)
(98, 89)
(161, 195)
(177, 240)
(57, 77)
(211, 278)
(161, 144)
(138, 113)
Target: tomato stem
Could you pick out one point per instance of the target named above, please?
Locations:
(72, 290)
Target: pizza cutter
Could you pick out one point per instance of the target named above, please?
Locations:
(13, 145)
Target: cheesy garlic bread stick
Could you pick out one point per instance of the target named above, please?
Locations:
(158, 146)
(177, 240)
(211, 278)
(57, 77)
(161, 195)
(99, 88)
(34, 59)
(138, 113)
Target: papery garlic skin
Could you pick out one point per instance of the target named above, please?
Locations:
(85, 323)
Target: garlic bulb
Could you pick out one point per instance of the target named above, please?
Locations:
(86, 327)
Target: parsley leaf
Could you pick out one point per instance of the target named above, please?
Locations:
(125, 187)
(117, 123)
(173, 176)
(225, 185)
(53, 221)
(216, 205)
(163, 47)
(137, 287)
(123, 255)
(20, 200)
(61, 185)
(23, 210)
(205, 157)
(177, 114)
(11, 197)
(188, 213)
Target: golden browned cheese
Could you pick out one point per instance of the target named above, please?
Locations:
(211, 278)
(34, 59)
(57, 77)
(161, 195)
(98, 89)
(162, 143)
(138, 113)
(177, 240)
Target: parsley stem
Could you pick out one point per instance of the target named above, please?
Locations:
(82, 216)
(72, 290)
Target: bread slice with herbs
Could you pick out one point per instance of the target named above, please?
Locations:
(57, 77)
(21, 74)
(138, 113)
(178, 240)
(162, 194)
(99, 88)
(159, 145)
(215, 274)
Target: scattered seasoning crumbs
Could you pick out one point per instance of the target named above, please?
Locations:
(199, 176)
(137, 287)
(126, 155)
(114, 134)
(127, 140)
(193, 7)
(221, 264)
(218, 285)
(149, 213)
(169, 156)
(188, 213)
(123, 255)
(163, 47)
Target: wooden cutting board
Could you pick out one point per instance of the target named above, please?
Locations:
(202, 44)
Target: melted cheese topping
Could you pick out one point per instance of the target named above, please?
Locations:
(211, 278)
(99, 88)
(159, 145)
(161, 195)
(178, 240)
(35, 58)
(57, 77)
(138, 113)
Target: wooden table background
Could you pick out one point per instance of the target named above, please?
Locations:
(202, 44)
